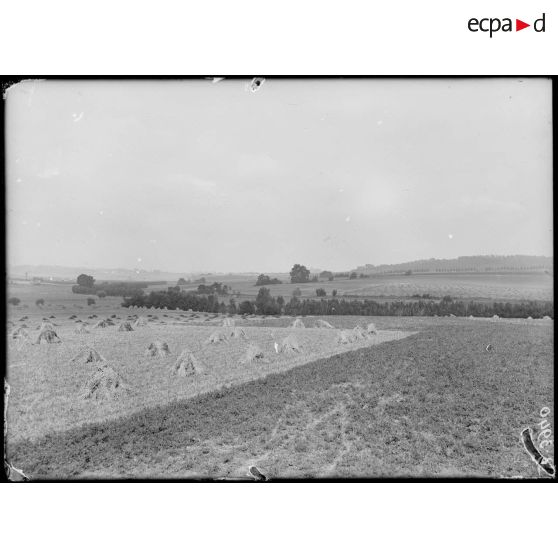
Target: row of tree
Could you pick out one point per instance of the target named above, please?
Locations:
(214, 288)
(173, 299)
(268, 305)
(445, 307)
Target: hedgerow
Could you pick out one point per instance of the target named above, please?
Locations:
(336, 307)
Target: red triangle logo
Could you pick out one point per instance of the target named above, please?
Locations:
(519, 25)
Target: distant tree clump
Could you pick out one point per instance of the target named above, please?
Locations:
(321, 292)
(299, 274)
(40, 302)
(90, 301)
(101, 294)
(85, 284)
(409, 272)
(14, 301)
(267, 280)
(326, 275)
(297, 292)
(84, 280)
(334, 292)
(182, 281)
(353, 275)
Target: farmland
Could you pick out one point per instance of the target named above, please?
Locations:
(473, 285)
(479, 286)
(46, 386)
(429, 401)
(494, 286)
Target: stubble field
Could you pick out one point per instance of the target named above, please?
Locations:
(46, 387)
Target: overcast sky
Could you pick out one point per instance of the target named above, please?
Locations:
(195, 175)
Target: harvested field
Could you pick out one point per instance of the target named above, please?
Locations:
(45, 389)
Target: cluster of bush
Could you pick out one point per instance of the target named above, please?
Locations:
(86, 284)
(269, 305)
(214, 288)
(267, 280)
(321, 292)
(352, 275)
(80, 289)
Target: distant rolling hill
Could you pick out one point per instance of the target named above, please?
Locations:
(465, 264)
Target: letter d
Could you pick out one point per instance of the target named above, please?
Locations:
(535, 25)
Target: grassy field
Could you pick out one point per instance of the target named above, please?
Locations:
(480, 286)
(431, 401)
(58, 299)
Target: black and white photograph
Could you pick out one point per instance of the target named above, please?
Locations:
(266, 279)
